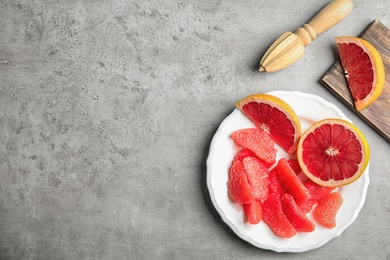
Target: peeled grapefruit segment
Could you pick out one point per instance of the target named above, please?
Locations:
(294, 164)
(274, 217)
(243, 153)
(291, 182)
(363, 68)
(257, 175)
(317, 193)
(275, 185)
(253, 212)
(297, 218)
(239, 189)
(275, 116)
(257, 141)
(333, 152)
(326, 210)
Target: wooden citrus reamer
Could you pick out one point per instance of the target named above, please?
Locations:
(289, 47)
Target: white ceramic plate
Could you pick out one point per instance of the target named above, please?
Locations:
(310, 109)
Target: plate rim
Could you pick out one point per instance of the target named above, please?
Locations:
(267, 246)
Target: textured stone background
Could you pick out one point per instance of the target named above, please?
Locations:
(107, 110)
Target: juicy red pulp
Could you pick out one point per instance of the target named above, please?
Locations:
(358, 69)
(272, 121)
(332, 152)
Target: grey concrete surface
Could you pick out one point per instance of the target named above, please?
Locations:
(107, 110)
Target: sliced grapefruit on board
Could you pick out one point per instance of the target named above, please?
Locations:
(363, 68)
(275, 116)
(333, 152)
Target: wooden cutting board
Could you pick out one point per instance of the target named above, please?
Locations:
(377, 115)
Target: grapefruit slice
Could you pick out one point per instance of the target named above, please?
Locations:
(253, 212)
(326, 210)
(294, 164)
(239, 189)
(291, 182)
(333, 152)
(363, 67)
(257, 141)
(274, 217)
(275, 116)
(297, 218)
(275, 185)
(243, 153)
(257, 175)
(317, 193)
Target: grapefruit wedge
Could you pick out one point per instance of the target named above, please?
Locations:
(363, 68)
(333, 152)
(275, 116)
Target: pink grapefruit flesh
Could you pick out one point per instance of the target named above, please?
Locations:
(257, 141)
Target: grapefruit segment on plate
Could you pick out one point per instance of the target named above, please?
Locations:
(317, 193)
(295, 215)
(275, 185)
(274, 116)
(294, 164)
(253, 212)
(258, 141)
(257, 175)
(243, 153)
(326, 211)
(333, 152)
(273, 215)
(239, 189)
(363, 68)
(291, 182)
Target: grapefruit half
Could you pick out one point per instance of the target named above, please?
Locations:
(363, 68)
(333, 152)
